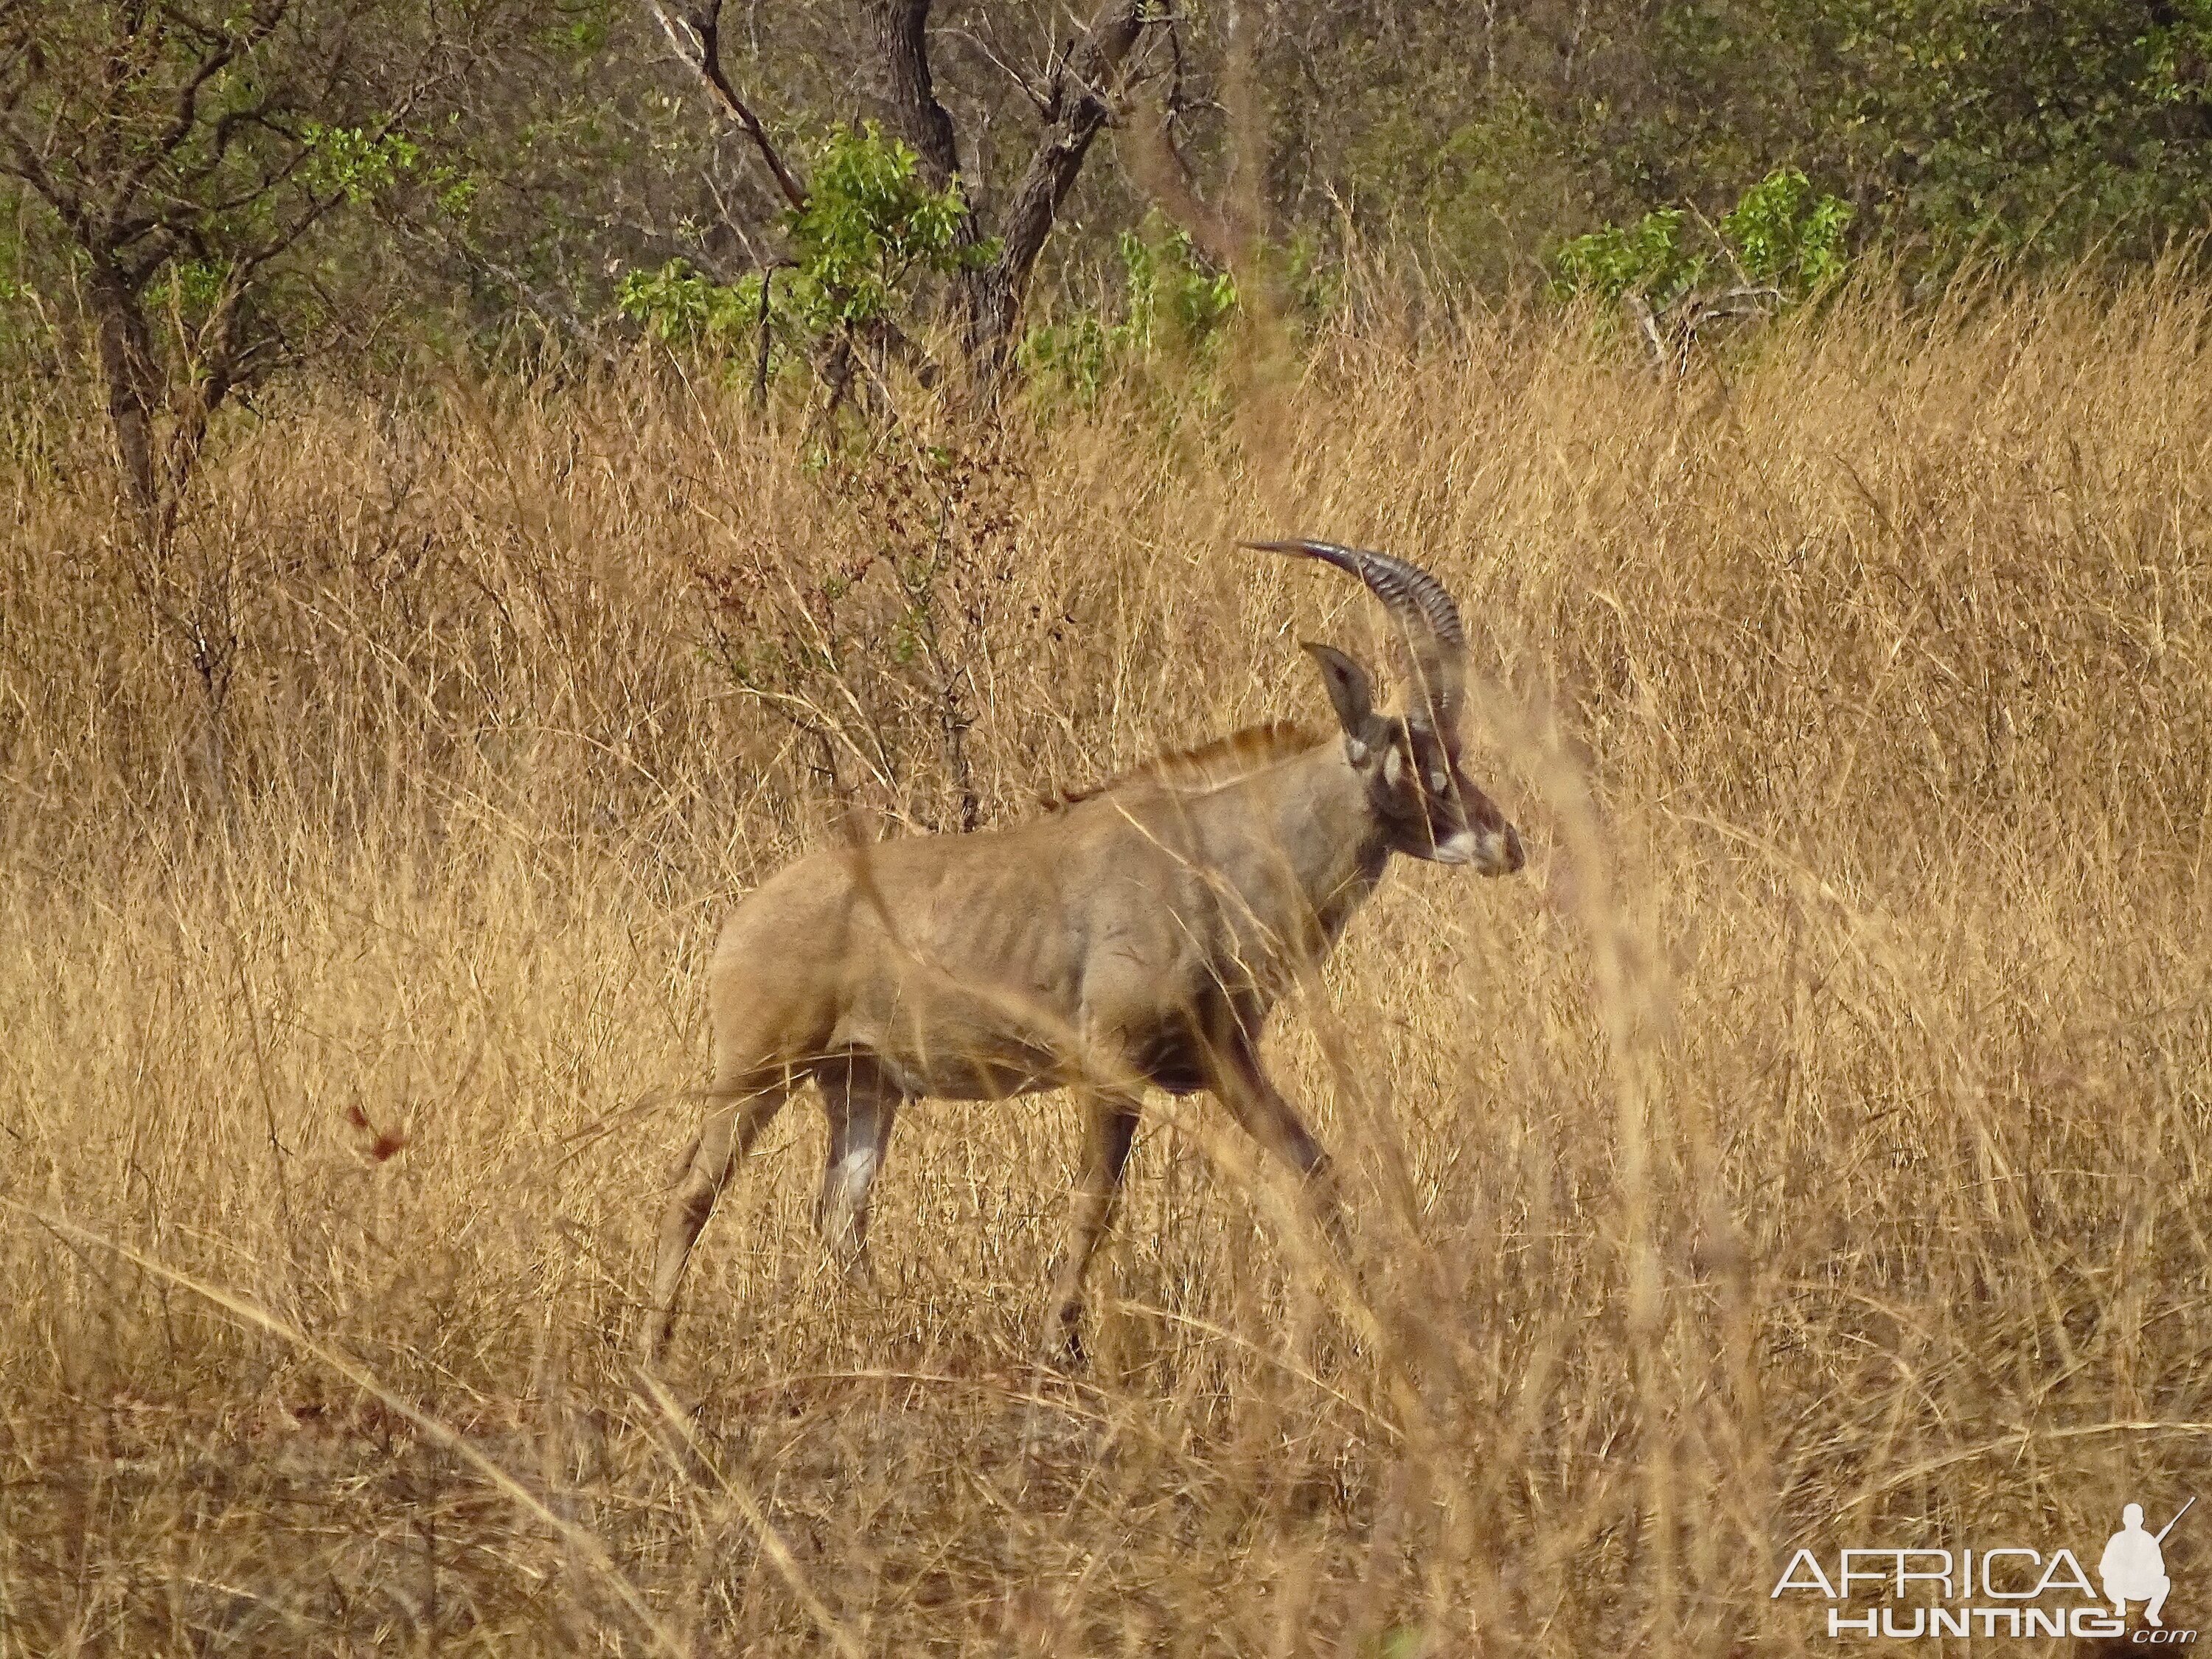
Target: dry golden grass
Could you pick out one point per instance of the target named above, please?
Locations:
(1810, 1149)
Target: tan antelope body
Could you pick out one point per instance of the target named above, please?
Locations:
(1137, 937)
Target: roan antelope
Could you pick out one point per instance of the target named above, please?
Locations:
(1137, 936)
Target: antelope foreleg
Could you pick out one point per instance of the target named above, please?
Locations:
(1259, 1106)
(1110, 1127)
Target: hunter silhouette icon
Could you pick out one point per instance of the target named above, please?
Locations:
(2133, 1566)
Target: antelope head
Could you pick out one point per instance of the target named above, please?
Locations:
(1427, 806)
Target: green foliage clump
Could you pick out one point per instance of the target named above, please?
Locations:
(871, 229)
(355, 162)
(23, 316)
(1470, 181)
(193, 288)
(1170, 295)
(1646, 258)
(1078, 354)
(1780, 239)
(1170, 299)
(678, 306)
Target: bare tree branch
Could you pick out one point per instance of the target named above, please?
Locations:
(1084, 84)
(25, 163)
(697, 44)
(1076, 100)
(1164, 174)
(548, 304)
(182, 120)
(1029, 89)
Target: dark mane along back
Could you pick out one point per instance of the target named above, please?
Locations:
(1206, 766)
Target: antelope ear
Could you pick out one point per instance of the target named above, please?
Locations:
(1351, 693)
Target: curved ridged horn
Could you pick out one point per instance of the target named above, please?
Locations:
(1423, 612)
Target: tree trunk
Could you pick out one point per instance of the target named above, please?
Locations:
(1077, 105)
(126, 362)
(902, 24)
(1078, 109)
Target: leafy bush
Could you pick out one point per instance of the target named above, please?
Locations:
(871, 225)
(678, 306)
(1170, 295)
(870, 230)
(1171, 298)
(358, 163)
(1779, 239)
(1646, 258)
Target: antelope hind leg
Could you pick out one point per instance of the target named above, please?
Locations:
(723, 1139)
(861, 1108)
